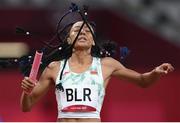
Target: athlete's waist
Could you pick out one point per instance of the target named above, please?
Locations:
(79, 115)
(78, 120)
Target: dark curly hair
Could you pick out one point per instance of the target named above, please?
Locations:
(62, 50)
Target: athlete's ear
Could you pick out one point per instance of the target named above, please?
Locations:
(93, 43)
(69, 40)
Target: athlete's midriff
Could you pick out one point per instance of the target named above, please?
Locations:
(78, 120)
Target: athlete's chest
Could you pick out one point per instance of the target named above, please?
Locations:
(79, 68)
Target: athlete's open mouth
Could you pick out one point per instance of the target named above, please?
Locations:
(82, 38)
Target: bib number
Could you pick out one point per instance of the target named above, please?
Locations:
(79, 98)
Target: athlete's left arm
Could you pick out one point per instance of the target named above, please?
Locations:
(144, 79)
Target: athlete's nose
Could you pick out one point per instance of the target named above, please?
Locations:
(83, 31)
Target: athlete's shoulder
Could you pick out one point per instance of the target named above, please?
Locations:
(51, 69)
(53, 65)
(109, 60)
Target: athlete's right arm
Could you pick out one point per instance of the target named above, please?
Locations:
(36, 90)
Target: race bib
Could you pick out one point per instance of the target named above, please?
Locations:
(79, 98)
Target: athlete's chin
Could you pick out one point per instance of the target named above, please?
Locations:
(82, 48)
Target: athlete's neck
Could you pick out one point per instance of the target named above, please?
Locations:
(81, 57)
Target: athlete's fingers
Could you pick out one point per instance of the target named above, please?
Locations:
(29, 80)
(27, 83)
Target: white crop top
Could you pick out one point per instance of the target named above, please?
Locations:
(83, 93)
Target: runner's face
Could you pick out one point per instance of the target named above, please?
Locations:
(85, 38)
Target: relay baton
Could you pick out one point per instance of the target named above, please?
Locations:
(35, 66)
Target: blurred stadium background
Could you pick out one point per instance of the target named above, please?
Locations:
(149, 28)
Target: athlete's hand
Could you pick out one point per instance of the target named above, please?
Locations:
(164, 68)
(27, 85)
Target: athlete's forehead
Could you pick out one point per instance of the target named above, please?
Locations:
(79, 24)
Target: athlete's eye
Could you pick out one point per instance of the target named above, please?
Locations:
(76, 30)
(87, 30)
